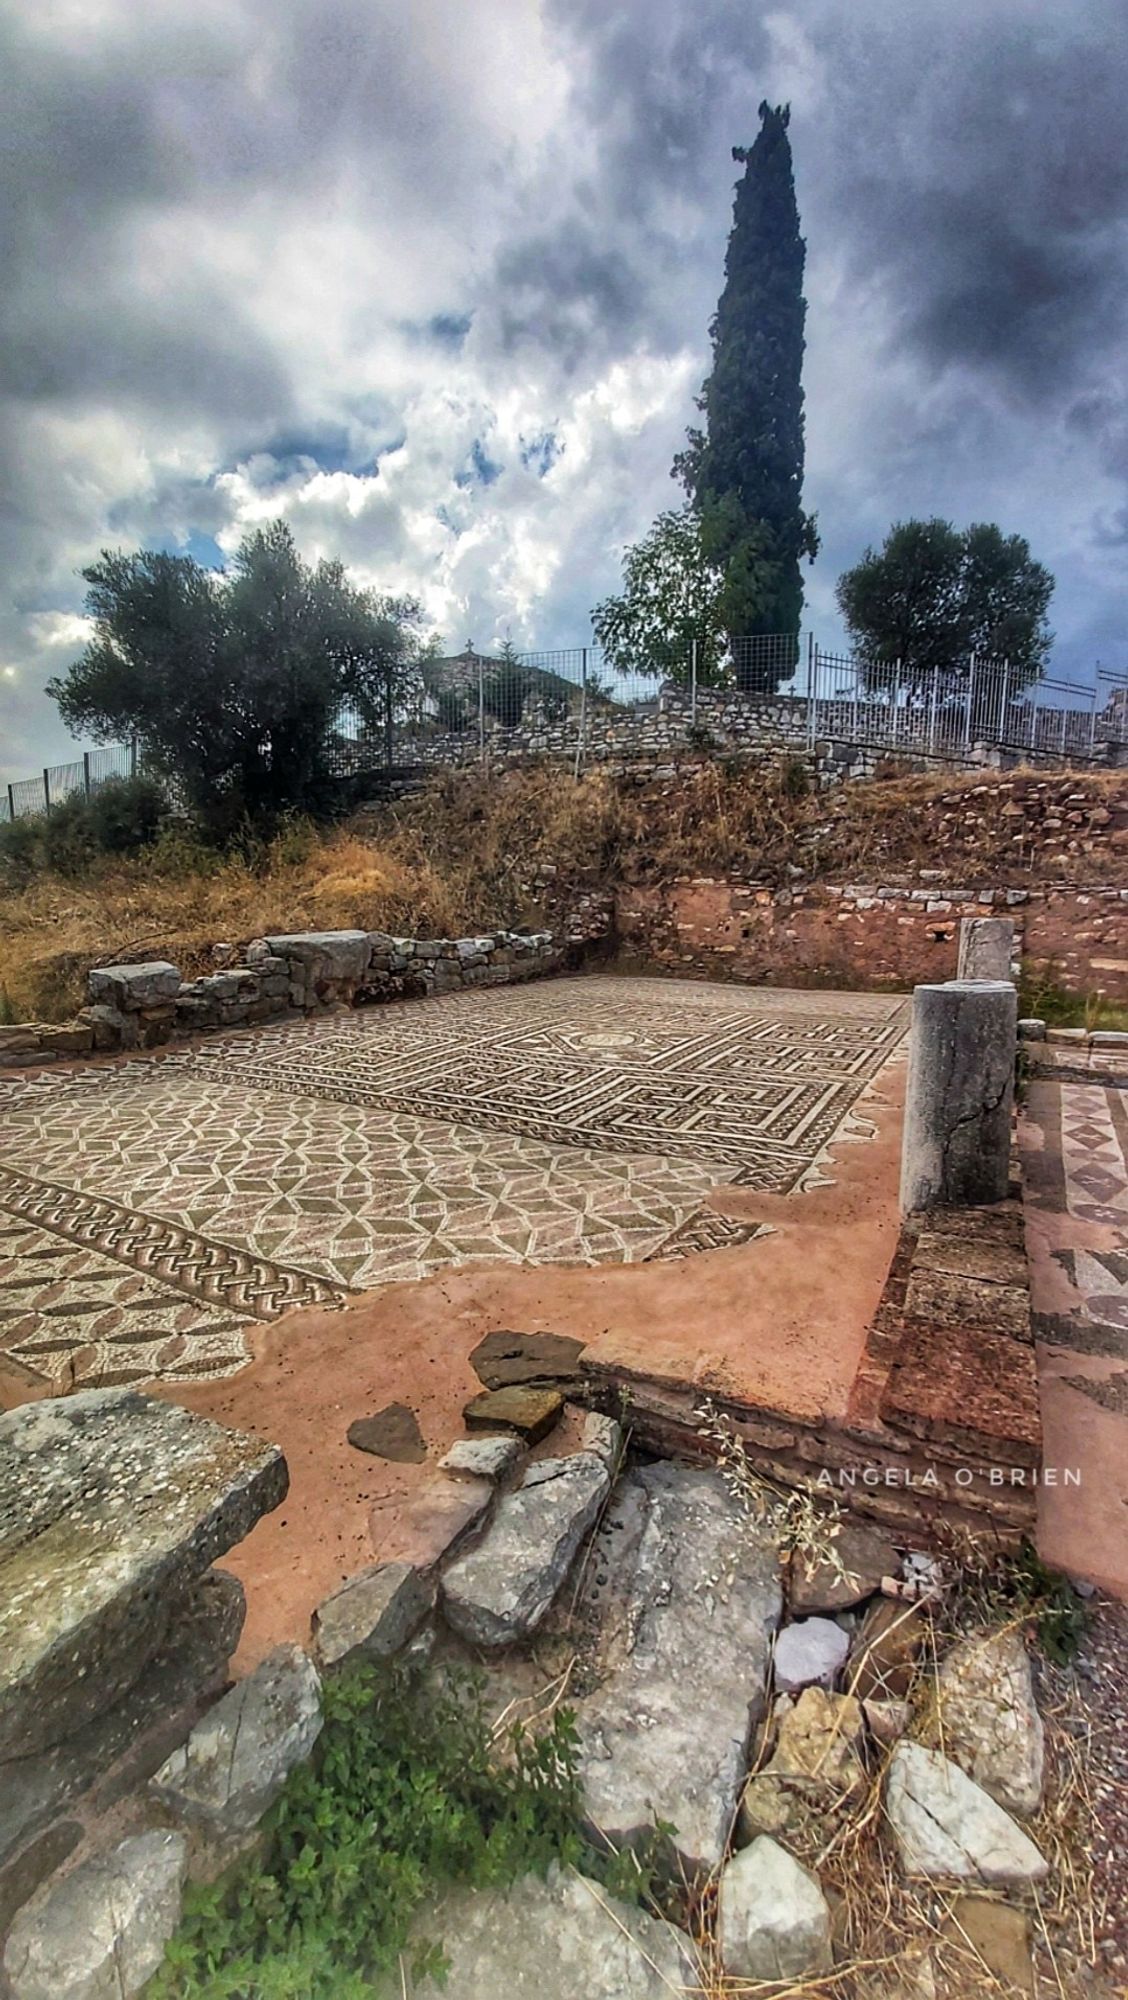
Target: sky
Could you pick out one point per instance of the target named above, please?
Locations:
(433, 280)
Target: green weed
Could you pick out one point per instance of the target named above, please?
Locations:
(408, 1793)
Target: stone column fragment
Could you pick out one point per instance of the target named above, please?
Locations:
(986, 948)
(956, 1151)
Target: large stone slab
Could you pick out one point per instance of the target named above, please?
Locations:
(100, 1933)
(238, 1758)
(111, 1505)
(948, 1828)
(325, 957)
(692, 1596)
(500, 1590)
(563, 1938)
(123, 1746)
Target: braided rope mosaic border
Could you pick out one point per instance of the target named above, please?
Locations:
(202, 1269)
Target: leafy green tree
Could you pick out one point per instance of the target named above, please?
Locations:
(743, 470)
(674, 595)
(935, 595)
(232, 682)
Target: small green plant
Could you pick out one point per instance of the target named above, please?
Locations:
(409, 1792)
(1018, 1586)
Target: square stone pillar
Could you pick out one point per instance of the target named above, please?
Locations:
(986, 948)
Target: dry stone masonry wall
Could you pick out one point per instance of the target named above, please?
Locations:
(141, 1006)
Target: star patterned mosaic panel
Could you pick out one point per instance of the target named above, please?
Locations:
(153, 1210)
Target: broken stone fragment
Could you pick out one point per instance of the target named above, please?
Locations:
(808, 1654)
(946, 1827)
(504, 1360)
(500, 1590)
(563, 1938)
(111, 1505)
(603, 1436)
(773, 1921)
(815, 1768)
(483, 1458)
(861, 1558)
(374, 1613)
(101, 1931)
(691, 1594)
(391, 1433)
(990, 1721)
(424, 1526)
(888, 1720)
(883, 1655)
(530, 1411)
(996, 1934)
(238, 1758)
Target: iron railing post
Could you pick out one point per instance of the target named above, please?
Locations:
(481, 710)
(692, 682)
(1003, 691)
(46, 788)
(932, 713)
(86, 772)
(11, 802)
(1034, 720)
(582, 729)
(967, 706)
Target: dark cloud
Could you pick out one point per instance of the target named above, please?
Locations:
(438, 281)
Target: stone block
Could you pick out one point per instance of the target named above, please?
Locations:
(324, 957)
(131, 988)
(111, 1504)
(100, 1933)
(112, 1028)
(123, 1746)
(374, 1613)
(240, 1754)
(501, 1589)
(73, 1038)
(530, 1410)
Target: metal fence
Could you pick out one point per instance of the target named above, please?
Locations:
(772, 688)
(86, 773)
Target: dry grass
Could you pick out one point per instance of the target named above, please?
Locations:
(478, 850)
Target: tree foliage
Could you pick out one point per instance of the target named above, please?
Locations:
(674, 597)
(744, 470)
(935, 595)
(232, 682)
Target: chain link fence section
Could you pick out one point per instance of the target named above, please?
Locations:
(25, 797)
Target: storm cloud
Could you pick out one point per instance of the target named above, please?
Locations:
(435, 282)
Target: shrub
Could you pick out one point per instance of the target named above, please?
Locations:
(408, 1792)
(127, 814)
(67, 836)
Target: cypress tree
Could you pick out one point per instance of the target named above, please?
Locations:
(744, 470)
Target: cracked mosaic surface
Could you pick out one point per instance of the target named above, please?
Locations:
(579, 1120)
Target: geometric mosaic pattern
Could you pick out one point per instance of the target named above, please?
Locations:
(74, 1318)
(153, 1209)
(758, 1090)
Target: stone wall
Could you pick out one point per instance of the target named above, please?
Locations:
(141, 1006)
(871, 934)
(723, 720)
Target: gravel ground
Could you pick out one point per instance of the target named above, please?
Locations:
(1090, 1700)
(1102, 1679)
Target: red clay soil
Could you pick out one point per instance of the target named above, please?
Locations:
(781, 1321)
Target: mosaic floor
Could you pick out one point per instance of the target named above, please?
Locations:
(151, 1211)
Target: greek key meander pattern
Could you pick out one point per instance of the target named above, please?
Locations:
(578, 1121)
